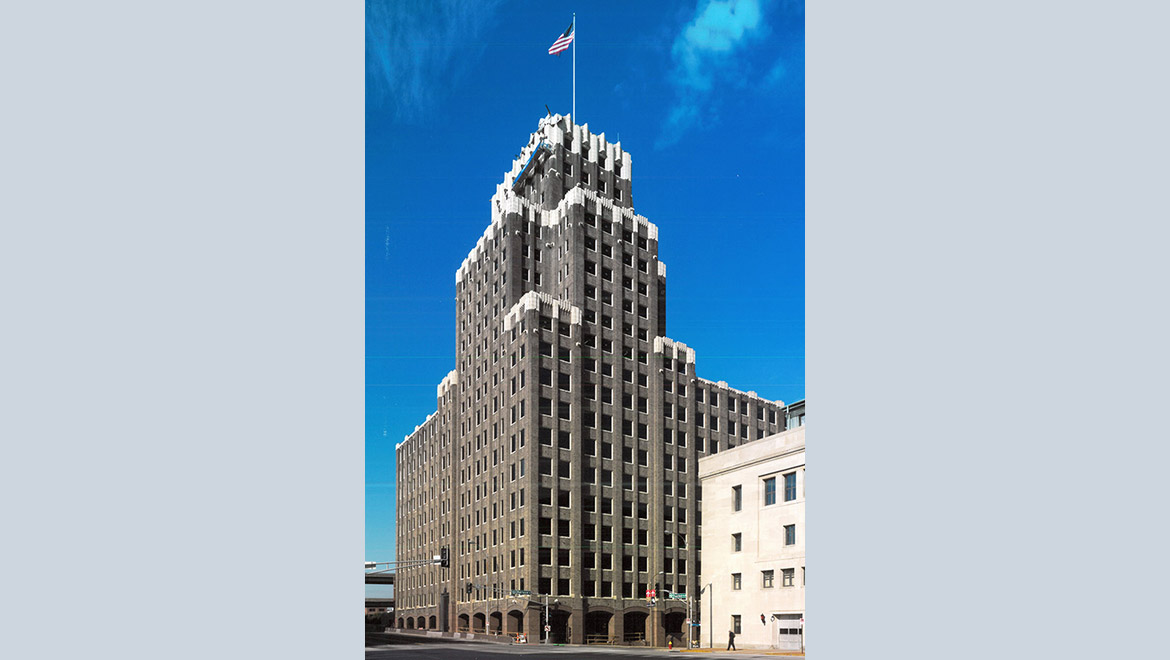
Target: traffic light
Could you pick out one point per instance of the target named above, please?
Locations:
(444, 558)
(469, 587)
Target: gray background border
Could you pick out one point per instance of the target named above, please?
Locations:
(182, 248)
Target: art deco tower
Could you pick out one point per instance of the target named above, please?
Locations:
(562, 458)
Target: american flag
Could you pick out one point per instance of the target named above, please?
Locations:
(562, 43)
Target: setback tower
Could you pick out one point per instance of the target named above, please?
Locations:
(562, 459)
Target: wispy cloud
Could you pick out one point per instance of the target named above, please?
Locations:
(412, 48)
(705, 55)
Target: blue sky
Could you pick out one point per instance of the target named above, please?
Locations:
(708, 98)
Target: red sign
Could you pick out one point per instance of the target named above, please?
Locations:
(650, 593)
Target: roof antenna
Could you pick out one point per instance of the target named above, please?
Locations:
(549, 111)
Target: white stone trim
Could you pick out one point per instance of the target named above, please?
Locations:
(621, 213)
(533, 301)
(448, 382)
(413, 433)
(675, 348)
(723, 385)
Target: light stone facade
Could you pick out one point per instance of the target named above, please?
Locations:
(755, 538)
(562, 457)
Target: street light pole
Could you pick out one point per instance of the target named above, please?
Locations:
(546, 632)
(710, 620)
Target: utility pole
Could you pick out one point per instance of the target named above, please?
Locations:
(689, 627)
(546, 632)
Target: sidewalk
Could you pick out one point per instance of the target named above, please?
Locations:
(795, 654)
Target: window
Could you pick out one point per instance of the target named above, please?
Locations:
(736, 581)
(736, 497)
(769, 578)
(788, 575)
(737, 542)
(769, 491)
(790, 535)
(790, 487)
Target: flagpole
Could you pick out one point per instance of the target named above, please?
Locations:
(574, 67)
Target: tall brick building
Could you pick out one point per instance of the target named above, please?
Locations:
(563, 455)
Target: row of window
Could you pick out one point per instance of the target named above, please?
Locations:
(590, 561)
(768, 579)
(789, 538)
(769, 491)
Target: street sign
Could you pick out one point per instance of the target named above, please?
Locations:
(547, 628)
(651, 593)
(678, 596)
(517, 592)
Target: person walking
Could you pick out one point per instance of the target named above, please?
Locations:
(731, 641)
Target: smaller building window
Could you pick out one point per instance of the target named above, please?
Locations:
(790, 487)
(736, 581)
(736, 542)
(769, 491)
(768, 579)
(736, 496)
(788, 575)
(790, 535)
(735, 621)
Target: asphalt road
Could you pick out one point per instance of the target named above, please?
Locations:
(393, 647)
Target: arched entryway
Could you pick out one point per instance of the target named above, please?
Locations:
(597, 627)
(434, 621)
(558, 621)
(672, 623)
(421, 624)
(515, 622)
(478, 622)
(401, 622)
(464, 623)
(497, 623)
(410, 623)
(635, 626)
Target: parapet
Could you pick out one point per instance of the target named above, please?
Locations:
(534, 300)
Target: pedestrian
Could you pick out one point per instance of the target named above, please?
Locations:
(731, 641)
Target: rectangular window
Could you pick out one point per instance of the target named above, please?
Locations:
(788, 576)
(736, 581)
(735, 621)
(736, 498)
(790, 535)
(769, 577)
(769, 491)
(736, 542)
(790, 487)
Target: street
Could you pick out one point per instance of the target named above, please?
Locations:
(391, 646)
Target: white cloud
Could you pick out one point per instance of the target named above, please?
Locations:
(704, 54)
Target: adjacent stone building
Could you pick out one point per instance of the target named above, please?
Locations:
(753, 542)
(562, 459)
